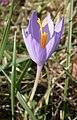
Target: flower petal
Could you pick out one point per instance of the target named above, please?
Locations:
(36, 52)
(4, 2)
(49, 27)
(24, 33)
(54, 41)
(34, 28)
(39, 52)
(59, 30)
(50, 47)
(28, 45)
(60, 25)
(46, 29)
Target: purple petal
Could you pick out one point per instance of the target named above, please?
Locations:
(25, 35)
(36, 52)
(49, 27)
(4, 2)
(40, 53)
(28, 45)
(59, 30)
(60, 25)
(46, 29)
(34, 28)
(50, 47)
(53, 43)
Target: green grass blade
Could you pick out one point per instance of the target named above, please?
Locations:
(70, 76)
(13, 78)
(25, 106)
(6, 32)
(66, 71)
(24, 71)
(68, 60)
(7, 55)
(18, 61)
(8, 78)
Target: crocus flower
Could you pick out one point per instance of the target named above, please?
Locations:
(42, 38)
(4, 2)
(41, 41)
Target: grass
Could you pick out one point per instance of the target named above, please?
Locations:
(68, 60)
(6, 32)
(13, 78)
(58, 78)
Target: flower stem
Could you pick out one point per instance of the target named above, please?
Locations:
(39, 68)
(68, 61)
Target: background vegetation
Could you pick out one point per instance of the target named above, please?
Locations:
(17, 71)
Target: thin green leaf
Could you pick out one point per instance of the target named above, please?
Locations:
(68, 60)
(13, 78)
(8, 78)
(25, 106)
(18, 61)
(70, 76)
(6, 32)
(24, 71)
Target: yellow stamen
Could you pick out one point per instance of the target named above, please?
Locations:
(43, 39)
(40, 23)
(43, 35)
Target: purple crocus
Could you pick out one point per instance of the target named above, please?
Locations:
(4, 2)
(41, 41)
(42, 38)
